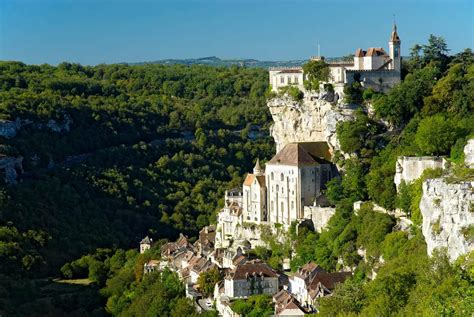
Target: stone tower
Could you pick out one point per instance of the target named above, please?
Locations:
(257, 170)
(394, 48)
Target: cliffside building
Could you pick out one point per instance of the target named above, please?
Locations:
(373, 67)
(255, 196)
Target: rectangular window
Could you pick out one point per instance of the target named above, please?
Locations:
(282, 80)
(295, 79)
(289, 80)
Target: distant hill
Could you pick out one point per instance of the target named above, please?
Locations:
(216, 61)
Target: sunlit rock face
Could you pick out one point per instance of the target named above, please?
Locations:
(311, 120)
(447, 216)
(469, 153)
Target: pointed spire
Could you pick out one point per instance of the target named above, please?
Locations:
(257, 170)
(394, 37)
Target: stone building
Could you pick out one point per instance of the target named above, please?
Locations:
(250, 278)
(374, 68)
(295, 176)
(410, 168)
(145, 244)
(254, 204)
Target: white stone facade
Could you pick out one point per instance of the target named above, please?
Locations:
(377, 69)
(243, 288)
(409, 169)
(286, 76)
(254, 204)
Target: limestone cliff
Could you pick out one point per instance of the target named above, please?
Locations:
(469, 153)
(447, 216)
(311, 120)
(9, 167)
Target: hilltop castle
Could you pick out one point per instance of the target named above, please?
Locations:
(372, 67)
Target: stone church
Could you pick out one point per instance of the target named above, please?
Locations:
(292, 179)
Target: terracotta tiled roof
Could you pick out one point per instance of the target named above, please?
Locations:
(376, 51)
(372, 51)
(328, 280)
(153, 263)
(284, 300)
(293, 154)
(253, 268)
(360, 53)
(251, 177)
(308, 270)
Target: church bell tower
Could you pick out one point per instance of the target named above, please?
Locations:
(394, 48)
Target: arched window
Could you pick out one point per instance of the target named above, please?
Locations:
(272, 175)
(282, 207)
(282, 178)
(277, 188)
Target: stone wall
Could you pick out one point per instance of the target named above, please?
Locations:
(379, 80)
(319, 216)
(409, 169)
(447, 216)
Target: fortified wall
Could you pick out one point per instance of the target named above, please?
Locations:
(409, 168)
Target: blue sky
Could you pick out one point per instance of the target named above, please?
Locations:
(106, 31)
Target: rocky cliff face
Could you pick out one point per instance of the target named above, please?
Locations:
(469, 153)
(311, 120)
(447, 216)
(9, 167)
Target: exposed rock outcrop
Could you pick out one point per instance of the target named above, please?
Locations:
(11, 166)
(319, 216)
(311, 120)
(9, 129)
(447, 216)
(469, 153)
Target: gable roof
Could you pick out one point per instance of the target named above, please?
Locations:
(251, 268)
(372, 51)
(293, 154)
(146, 240)
(308, 271)
(328, 280)
(251, 177)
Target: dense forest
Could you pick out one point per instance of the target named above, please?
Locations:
(132, 150)
(150, 150)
